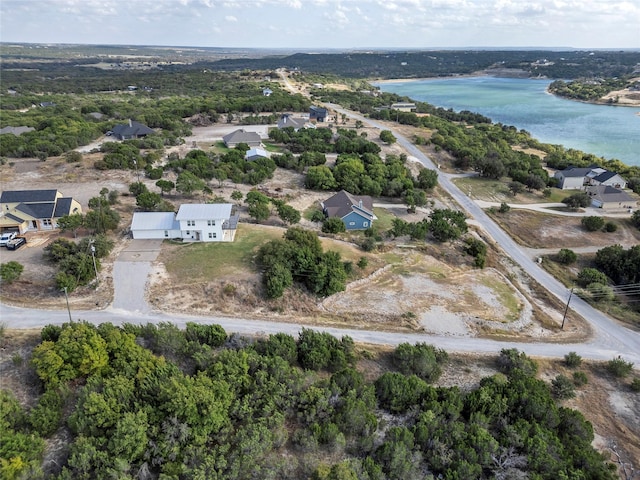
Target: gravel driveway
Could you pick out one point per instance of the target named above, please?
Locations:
(130, 275)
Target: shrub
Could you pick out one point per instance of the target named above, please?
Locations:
(619, 368)
(504, 207)
(610, 227)
(572, 359)
(567, 256)
(635, 385)
(588, 276)
(11, 271)
(592, 223)
(580, 379)
(511, 361)
(420, 359)
(333, 225)
(562, 387)
(363, 263)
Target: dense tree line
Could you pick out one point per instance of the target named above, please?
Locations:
(197, 403)
(588, 89)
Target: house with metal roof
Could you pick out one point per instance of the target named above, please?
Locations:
(34, 210)
(355, 211)
(194, 222)
(317, 114)
(573, 178)
(255, 154)
(236, 137)
(611, 179)
(610, 198)
(131, 130)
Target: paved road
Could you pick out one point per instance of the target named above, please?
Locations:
(16, 317)
(608, 334)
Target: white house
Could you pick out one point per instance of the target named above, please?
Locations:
(194, 222)
(610, 179)
(572, 178)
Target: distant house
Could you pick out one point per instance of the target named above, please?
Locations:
(610, 198)
(404, 106)
(34, 210)
(267, 92)
(355, 211)
(255, 153)
(287, 120)
(47, 104)
(194, 222)
(236, 137)
(575, 178)
(17, 131)
(131, 130)
(317, 114)
(572, 178)
(610, 179)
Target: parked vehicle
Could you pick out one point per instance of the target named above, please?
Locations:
(5, 237)
(16, 243)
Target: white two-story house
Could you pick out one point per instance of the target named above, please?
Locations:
(194, 222)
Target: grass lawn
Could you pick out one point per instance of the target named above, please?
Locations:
(204, 261)
(498, 191)
(193, 262)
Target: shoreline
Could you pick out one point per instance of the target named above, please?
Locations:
(483, 73)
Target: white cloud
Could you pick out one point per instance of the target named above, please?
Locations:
(230, 18)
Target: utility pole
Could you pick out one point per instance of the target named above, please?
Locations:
(67, 298)
(93, 255)
(566, 309)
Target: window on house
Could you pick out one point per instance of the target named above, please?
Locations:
(365, 224)
(210, 235)
(211, 223)
(166, 234)
(191, 223)
(215, 235)
(188, 232)
(46, 222)
(352, 223)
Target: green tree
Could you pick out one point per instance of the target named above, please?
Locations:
(236, 195)
(149, 201)
(333, 225)
(71, 223)
(635, 219)
(577, 200)
(567, 256)
(387, 137)
(11, 271)
(320, 178)
(447, 224)
(165, 186)
(259, 211)
(516, 187)
(427, 178)
(592, 223)
(619, 368)
(588, 276)
(187, 183)
(572, 360)
(562, 387)
(288, 214)
(420, 359)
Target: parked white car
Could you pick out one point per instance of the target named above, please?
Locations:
(5, 237)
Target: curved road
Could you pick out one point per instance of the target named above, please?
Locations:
(610, 339)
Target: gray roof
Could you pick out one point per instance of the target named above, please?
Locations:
(28, 196)
(343, 203)
(16, 130)
(37, 210)
(132, 129)
(204, 211)
(608, 194)
(576, 171)
(154, 221)
(256, 152)
(603, 177)
(63, 207)
(291, 121)
(241, 136)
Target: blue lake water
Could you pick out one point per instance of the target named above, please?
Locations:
(607, 131)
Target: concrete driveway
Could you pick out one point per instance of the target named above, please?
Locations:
(130, 275)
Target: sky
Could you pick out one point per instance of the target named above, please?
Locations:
(320, 24)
